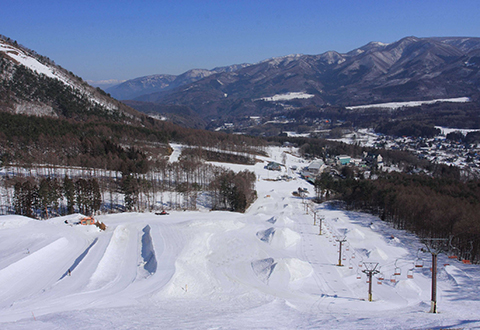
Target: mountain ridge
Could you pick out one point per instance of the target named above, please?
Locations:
(409, 69)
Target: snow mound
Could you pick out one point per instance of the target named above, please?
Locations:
(285, 221)
(109, 267)
(272, 220)
(285, 238)
(378, 254)
(282, 272)
(15, 221)
(79, 259)
(263, 268)
(266, 235)
(298, 269)
(149, 263)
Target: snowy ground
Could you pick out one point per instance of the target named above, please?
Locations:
(397, 105)
(266, 269)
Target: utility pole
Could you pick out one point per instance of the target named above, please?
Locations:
(370, 270)
(340, 250)
(434, 246)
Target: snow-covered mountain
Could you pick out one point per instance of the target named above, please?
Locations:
(33, 84)
(411, 69)
(133, 88)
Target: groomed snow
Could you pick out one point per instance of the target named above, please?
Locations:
(266, 269)
(397, 105)
(287, 97)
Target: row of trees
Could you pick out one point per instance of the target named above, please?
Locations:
(43, 197)
(426, 206)
(37, 192)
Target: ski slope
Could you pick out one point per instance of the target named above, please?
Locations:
(266, 269)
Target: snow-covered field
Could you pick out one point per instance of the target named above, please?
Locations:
(397, 105)
(266, 269)
(287, 97)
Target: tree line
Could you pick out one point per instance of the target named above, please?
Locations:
(42, 197)
(426, 206)
(38, 192)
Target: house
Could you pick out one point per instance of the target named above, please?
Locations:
(272, 166)
(343, 159)
(316, 167)
(373, 159)
(87, 221)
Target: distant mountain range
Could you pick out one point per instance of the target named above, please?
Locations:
(133, 88)
(411, 69)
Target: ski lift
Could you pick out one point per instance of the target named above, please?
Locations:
(344, 258)
(393, 278)
(398, 271)
(350, 266)
(452, 255)
(359, 276)
(419, 263)
(381, 277)
(468, 261)
(410, 273)
(380, 280)
(353, 255)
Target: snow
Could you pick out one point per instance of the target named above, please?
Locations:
(287, 97)
(397, 105)
(266, 269)
(30, 62)
(447, 130)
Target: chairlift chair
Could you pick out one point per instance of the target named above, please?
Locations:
(410, 273)
(398, 271)
(419, 263)
(380, 278)
(393, 279)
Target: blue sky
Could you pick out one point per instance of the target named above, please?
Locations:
(127, 39)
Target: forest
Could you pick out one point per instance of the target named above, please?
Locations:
(43, 192)
(430, 207)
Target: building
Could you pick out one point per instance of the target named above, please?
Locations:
(343, 159)
(272, 166)
(316, 167)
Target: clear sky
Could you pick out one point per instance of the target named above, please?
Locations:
(124, 39)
